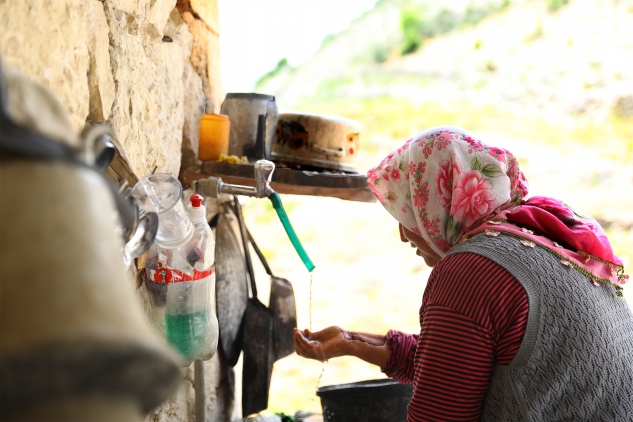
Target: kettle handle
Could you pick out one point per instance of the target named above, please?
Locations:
(98, 149)
(260, 141)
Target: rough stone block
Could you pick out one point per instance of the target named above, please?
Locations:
(205, 55)
(100, 81)
(56, 55)
(194, 99)
(159, 14)
(148, 111)
(126, 6)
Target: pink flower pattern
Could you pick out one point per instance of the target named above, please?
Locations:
(404, 147)
(372, 175)
(421, 196)
(444, 178)
(443, 139)
(475, 146)
(497, 153)
(432, 226)
(469, 179)
(443, 245)
(427, 148)
(417, 171)
(473, 198)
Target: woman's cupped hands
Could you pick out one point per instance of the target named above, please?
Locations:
(321, 345)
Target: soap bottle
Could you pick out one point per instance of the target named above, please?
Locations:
(204, 270)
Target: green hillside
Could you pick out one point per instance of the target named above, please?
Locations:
(550, 79)
(540, 74)
(530, 65)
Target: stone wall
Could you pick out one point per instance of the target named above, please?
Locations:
(203, 20)
(127, 63)
(147, 68)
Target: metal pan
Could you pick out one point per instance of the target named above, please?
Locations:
(231, 284)
(258, 356)
(258, 346)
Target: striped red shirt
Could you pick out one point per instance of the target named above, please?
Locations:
(473, 316)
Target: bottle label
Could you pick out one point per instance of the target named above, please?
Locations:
(167, 275)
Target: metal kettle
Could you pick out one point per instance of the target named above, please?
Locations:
(254, 119)
(74, 343)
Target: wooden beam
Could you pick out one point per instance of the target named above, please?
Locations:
(351, 187)
(120, 168)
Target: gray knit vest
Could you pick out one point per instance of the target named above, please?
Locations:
(576, 359)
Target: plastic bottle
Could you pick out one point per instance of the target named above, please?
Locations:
(191, 323)
(181, 281)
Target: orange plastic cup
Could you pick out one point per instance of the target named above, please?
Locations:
(214, 136)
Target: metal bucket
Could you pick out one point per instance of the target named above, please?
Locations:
(244, 111)
(381, 400)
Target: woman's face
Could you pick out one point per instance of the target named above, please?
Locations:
(423, 249)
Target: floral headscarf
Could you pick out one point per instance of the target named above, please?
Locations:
(443, 182)
(445, 186)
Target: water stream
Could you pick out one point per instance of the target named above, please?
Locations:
(323, 363)
(310, 303)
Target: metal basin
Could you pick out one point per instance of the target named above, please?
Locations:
(366, 401)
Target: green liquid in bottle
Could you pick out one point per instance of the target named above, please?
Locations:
(186, 332)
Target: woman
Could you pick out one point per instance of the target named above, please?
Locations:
(521, 318)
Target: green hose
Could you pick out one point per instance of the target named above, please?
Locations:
(278, 206)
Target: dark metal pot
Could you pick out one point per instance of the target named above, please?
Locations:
(381, 400)
(253, 120)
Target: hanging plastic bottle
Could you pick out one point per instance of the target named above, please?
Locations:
(181, 283)
(162, 193)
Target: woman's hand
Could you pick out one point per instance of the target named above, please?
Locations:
(322, 345)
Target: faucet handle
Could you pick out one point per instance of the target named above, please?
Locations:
(263, 174)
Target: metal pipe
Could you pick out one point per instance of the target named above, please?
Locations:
(198, 385)
(236, 189)
(214, 186)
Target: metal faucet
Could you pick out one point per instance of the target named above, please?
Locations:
(214, 186)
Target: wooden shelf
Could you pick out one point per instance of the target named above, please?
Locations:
(351, 187)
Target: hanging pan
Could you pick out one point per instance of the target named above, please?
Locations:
(231, 285)
(258, 347)
(283, 308)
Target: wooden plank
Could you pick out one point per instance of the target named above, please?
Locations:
(351, 187)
